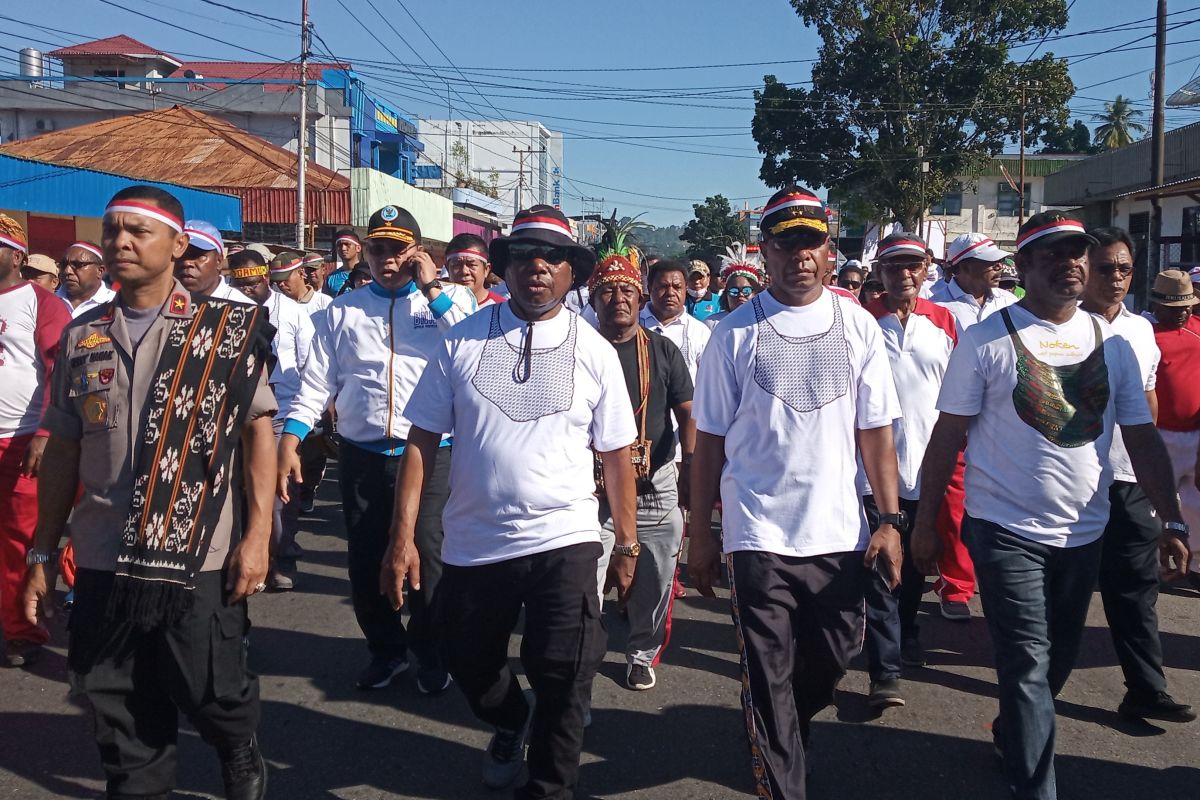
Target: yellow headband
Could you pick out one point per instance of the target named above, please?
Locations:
(252, 271)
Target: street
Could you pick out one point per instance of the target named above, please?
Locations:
(683, 739)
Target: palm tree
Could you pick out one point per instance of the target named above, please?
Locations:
(1118, 124)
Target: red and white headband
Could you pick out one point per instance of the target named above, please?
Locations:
(145, 210)
(8, 241)
(350, 239)
(466, 254)
(197, 234)
(791, 201)
(903, 247)
(543, 223)
(283, 269)
(91, 248)
(1058, 226)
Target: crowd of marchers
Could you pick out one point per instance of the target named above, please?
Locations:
(526, 425)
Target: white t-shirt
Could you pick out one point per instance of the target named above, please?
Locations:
(294, 334)
(918, 353)
(316, 301)
(1140, 335)
(521, 477)
(787, 387)
(964, 307)
(1053, 493)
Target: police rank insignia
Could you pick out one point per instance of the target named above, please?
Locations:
(178, 303)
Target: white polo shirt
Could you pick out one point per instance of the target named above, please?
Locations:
(964, 307)
(294, 334)
(1139, 333)
(918, 354)
(103, 295)
(787, 387)
(521, 480)
(689, 334)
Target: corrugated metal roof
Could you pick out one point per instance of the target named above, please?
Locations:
(1034, 167)
(177, 145)
(1126, 170)
(39, 187)
(120, 45)
(323, 206)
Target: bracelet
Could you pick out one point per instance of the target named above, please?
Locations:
(1179, 530)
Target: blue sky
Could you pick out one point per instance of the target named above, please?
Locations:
(494, 44)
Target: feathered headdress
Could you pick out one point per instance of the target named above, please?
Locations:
(739, 261)
(615, 241)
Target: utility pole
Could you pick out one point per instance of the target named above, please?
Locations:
(1157, 165)
(302, 139)
(522, 152)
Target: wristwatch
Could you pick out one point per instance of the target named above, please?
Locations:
(37, 557)
(899, 520)
(1179, 530)
(632, 550)
(433, 284)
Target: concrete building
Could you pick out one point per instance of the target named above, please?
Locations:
(521, 163)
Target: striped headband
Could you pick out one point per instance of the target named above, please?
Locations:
(198, 234)
(791, 201)
(903, 247)
(145, 210)
(351, 239)
(544, 223)
(8, 241)
(91, 248)
(283, 269)
(963, 254)
(1058, 226)
(315, 258)
(465, 254)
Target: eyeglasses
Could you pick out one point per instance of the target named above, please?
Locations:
(788, 243)
(1108, 269)
(78, 266)
(850, 284)
(551, 254)
(740, 291)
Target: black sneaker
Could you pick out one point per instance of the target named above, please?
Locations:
(505, 756)
(1155, 705)
(911, 652)
(244, 772)
(885, 694)
(380, 671)
(432, 680)
(640, 677)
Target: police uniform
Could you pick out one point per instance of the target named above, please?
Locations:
(136, 679)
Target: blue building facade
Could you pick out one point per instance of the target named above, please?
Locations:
(381, 137)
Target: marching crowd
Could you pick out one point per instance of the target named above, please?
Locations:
(532, 424)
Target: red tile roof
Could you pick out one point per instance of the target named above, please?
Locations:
(112, 46)
(253, 70)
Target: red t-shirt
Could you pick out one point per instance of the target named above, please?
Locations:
(1178, 382)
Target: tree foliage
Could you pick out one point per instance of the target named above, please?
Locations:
(1118, 124)
(895, 75)
(662, 241)
(1074, 139)
(714, 228)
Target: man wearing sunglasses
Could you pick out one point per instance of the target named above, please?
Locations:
(851, 279)
(370, 348)
(83, 286)
(799, 370)
(529, 390)
(1129, 554)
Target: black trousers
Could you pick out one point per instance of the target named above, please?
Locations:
(1129, 586)
(368, 483)
(892, 616)
(563, 645)
(137, 682)
(798, 622)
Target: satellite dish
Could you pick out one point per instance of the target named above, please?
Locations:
(191, 74)
(1189, 95)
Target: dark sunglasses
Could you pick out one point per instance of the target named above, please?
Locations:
(384, 247)
(78, 265)
(740, 291)
(789, 242)
(850, 284)
(551, 254)
(1108, 269)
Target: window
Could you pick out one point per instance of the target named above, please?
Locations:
(113, 73)
(1006, 200)
(1189, 245)
(949, 206)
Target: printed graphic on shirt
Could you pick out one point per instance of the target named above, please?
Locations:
(806, 372)
(1063, 403)
(526, 392)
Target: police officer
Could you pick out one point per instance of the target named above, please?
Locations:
(154, 393)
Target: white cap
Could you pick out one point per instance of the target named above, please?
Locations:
(1194, 274)
(974, 245)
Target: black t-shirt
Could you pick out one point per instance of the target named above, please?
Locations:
(670, 385)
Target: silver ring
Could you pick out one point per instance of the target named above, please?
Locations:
(262, 587)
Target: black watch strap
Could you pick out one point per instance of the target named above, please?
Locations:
(898, 520)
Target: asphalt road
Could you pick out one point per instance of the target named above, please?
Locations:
(683, 739)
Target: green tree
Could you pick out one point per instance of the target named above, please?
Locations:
(893, 76)
(1074, 139)
(1118, 124)
(662, 241)
(714, 228)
